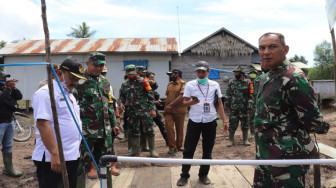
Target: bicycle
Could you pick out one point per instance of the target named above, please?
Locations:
(23, 131)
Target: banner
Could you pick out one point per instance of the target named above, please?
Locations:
(331, 12)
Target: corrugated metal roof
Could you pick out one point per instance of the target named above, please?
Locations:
(30, 47)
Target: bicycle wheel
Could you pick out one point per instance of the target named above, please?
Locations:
(23, 134)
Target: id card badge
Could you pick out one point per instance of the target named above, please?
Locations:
(206, 107)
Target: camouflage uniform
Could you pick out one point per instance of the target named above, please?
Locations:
(140, 103)
(286, 112)
(238, 99)
(97, 117)
(250, 116)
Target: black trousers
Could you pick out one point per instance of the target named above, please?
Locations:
(50, 179)
(194, 131)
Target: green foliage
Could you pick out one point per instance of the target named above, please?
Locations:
(297, 58)
(2, 44)
(324, 62)
(83, 31)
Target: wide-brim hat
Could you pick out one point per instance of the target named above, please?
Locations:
(73, 68)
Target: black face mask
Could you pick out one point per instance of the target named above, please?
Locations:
(265, 70)
(238, 76)
(172, 78)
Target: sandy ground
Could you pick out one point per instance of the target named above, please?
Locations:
(23, 151)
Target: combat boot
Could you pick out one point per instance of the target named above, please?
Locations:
(245, 136)
(135, 146)
(143, 143)
(8, 166)
(151, 143)
(231, 139)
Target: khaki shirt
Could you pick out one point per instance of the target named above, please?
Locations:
(174, 89)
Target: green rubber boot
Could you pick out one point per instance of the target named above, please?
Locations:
(151, 143)
(135, 146)
(8, 166)
(231, 139)
(143, 143)
(245, 136)
(81, 181)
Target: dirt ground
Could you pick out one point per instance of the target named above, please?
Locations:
(23, 150)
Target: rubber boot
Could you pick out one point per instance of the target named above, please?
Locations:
(135, 146)
(252, 131)
(143, 143)
(114, 170)
(93, 172)
(231, 139)
(125, 139)
(151, 143)
(245, 136)
(129, 144)
(8, 166)
(81, 181)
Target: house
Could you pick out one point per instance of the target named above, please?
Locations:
(154, 53)
(222, 50)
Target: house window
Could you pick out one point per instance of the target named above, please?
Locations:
(214, 74)
(136, 63)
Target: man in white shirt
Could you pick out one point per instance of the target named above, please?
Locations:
(46, 155)
(203, 96)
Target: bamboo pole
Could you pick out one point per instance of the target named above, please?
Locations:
(334, 49)
(52, 98)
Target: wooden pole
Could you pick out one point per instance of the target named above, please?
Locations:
(52, 98)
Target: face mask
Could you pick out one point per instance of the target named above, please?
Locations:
(173, 78)
(63, 84)
(202, 81)
(238, 76)
(253, 75)
(265, 70)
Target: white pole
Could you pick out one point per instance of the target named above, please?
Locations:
(226, 162)
(104, 179)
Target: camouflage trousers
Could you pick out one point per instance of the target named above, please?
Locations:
(138, 125)
(235, 117)
(98, 147)
(276, 177)
(250, 121)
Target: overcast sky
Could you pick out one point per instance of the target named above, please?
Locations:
(303, 22)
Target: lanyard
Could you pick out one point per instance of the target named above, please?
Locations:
(205, 96)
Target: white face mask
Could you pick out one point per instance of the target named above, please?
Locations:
(63, 84)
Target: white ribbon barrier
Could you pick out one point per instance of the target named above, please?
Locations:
(226, 162)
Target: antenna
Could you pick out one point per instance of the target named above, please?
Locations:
(178, 25)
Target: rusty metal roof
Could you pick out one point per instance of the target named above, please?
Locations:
(64, 46)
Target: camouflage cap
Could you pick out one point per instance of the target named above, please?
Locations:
(97, 58)
(73, 68)
(239, 69)
(141, 69)
(253, 70)
(130, 69)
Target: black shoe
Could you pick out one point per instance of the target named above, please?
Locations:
(171, 152)
(205, 180)
(181, 149)
(182, 182)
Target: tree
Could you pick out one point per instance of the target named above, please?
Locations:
(2, 44)
(83, 31)
(297, 58)
(324, 62)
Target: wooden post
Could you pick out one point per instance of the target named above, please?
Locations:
(52, 98)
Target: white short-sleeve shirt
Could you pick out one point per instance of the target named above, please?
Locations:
(196, 112)
(70, 135)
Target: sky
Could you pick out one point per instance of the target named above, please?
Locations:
(303, 22)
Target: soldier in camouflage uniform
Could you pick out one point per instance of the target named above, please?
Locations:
(253, 73)
(135, 93)
(97, 116)
(286, 112)
(238, 104)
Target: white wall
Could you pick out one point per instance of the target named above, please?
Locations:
(30, 76)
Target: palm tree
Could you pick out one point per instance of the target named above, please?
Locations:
(2, 44)
(83, 31)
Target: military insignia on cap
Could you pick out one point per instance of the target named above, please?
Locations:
(81, 69)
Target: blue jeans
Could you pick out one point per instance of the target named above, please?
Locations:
(6, 136)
